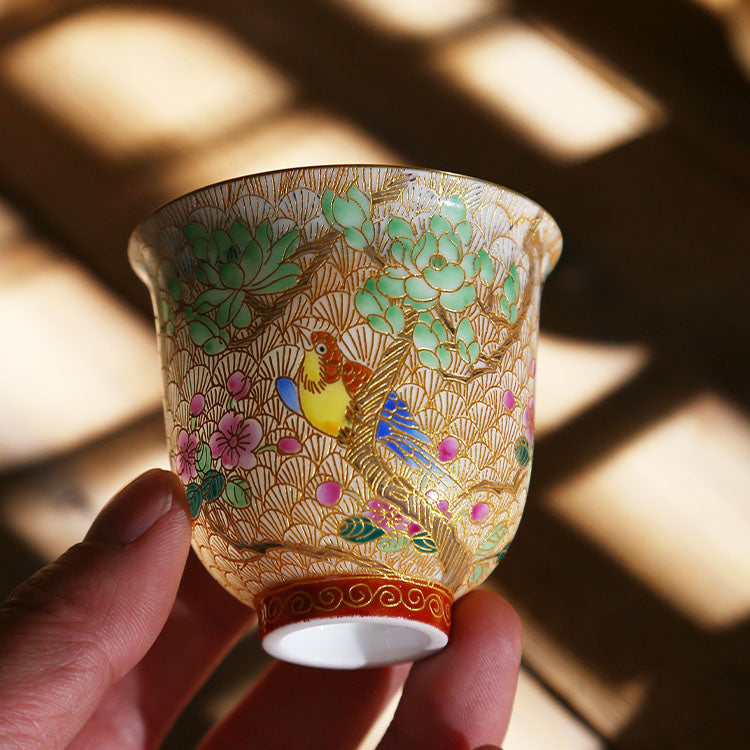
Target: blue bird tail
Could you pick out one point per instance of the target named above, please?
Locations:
(398, 431)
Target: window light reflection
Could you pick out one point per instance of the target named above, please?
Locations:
(129, 80)
(569, 109)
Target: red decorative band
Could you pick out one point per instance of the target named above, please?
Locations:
(353, 596)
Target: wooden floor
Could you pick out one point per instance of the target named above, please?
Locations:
(628, 121)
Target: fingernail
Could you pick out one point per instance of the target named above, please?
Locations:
(134, 509)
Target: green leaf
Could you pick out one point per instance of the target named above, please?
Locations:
(424, 542)
(522, 450)
(395, 318)
(216, 345)
(393, 542)
(212, 485)
(164, 309)
(491, 542)
(504, 306)
(207, 274)
(174, 288)
(193, 230)
(510, 289)
(459, 300)
(263, 236)
(284, 277)
(231, 275)
(229, 309)
(465, 331)
(473, 352)
(379, 324)
(424, 337)
(194, 498)
(444, 356)
(243, 317)
(428, 359)
(169, 328)
(203, 458)
(398, 227)
(200, 248)
(359, 529)
(237, 493)
(326, 205)
(210, 298)
(487, 270)
(454, 209)
(471, 266)
(285, 245)
(478, 572)
(348, 213)
(357, 195)
(354, 238)
(463, 230)
(513, 316)
(222, 241)
(426, 318)
(369, 301)
(391, 287)
(240, 234)
(199, 332)
(440, 332)
(369, 231)
(463, 351)
(439, 225)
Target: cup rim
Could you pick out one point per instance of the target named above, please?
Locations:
(544, 215)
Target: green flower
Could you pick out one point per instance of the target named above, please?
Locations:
(350, 215)
(430, 339)
(435, 267)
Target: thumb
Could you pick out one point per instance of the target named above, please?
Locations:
(78, 625)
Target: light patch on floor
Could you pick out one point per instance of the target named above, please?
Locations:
(573, 375)
(671, 506)
(131, 80)
(77, 362)
(569, 105)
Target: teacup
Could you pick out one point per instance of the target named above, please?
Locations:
(348, 358)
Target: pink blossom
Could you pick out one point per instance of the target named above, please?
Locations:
(509, 400)
(448, 449)
(479, 511)
(532, 368)
(328, 493)
(414, 528)
(235, 441)
(386, 516)
(432, 495)
(187, 445)
(443, 508)
(197, 402)
(238, 384)
(528, 419)
(289, 445)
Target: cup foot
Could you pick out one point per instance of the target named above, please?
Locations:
(350, 622)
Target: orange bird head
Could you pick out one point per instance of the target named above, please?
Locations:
(329, 356)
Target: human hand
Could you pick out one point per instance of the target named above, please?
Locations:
(105, 646)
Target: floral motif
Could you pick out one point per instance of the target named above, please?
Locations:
(386, 516)
(448, 449)
(187, 445)
(289, 445)
(528, 419)
(238, 385)
(197, 404)
(328, 493)
(235, 441)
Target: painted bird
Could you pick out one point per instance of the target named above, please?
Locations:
(325, 389)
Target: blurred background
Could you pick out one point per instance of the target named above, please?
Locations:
(627, 121)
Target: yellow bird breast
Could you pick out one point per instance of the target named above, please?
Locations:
(325, 410)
